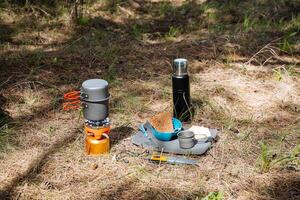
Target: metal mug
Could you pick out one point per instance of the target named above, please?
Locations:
(186, 139)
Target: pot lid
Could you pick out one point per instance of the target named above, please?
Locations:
(95, 84)
(94, 90)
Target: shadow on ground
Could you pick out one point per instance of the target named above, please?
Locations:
(287, 187)
(83, 51)
(129, 189)
(34, 168)
(119, 133)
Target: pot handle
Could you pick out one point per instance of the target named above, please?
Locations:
(84, 95)
(73, 95)
(71, 105)
(84, 105)
(72, 100)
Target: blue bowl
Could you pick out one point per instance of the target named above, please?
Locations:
(167, 136)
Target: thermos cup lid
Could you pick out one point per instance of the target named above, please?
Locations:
(180, 66)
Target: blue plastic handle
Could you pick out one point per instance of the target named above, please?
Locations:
(142, 128)
(177, 130)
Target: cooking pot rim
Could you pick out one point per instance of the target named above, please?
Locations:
(95, 101)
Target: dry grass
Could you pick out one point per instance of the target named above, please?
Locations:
(255, 104)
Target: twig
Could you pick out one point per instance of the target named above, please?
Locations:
(43, 11)
(6, 81)
(72, 43)
(36, 82)
(263, 49)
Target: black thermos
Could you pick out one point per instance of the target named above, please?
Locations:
(181, 90)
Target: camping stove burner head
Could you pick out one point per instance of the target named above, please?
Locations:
(99, 123)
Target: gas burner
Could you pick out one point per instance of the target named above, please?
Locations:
(99, 123)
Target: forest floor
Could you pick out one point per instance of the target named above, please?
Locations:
(244, 59)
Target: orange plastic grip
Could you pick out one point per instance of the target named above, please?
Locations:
(73, 100)
(73, 95)
(71, 105)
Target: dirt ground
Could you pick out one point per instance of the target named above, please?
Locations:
(244, 61)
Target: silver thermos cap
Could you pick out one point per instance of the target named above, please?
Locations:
(180, 67)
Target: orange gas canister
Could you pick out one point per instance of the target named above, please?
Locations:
(96, 132)
(94, 146)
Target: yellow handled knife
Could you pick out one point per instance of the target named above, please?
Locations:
(172, 160)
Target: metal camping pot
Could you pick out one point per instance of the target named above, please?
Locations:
(95, 111)
(94, 99)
